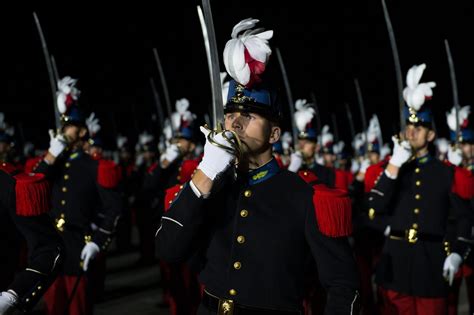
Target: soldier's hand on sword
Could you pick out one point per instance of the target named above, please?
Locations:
(451, 266)
(401, 152)
(8, 300)
(89, 252)
(296, 160)
(57, 143)
(455, 155)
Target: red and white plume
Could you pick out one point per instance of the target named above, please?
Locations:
(416, 93)
(145, 138)
(304, 114)
(67, 93)
(182, 117)
(338, 147)
(359, 141)
(463, 116)
(327, 138)
(93, 125)
(121, 141)
(286, 140)
(225, 87)
(246, 55)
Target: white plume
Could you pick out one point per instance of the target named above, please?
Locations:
(462, 116)
(225, 87)
(442, 144)
(121, 141)
(254, 41)
(167, 129)
(66, 86)
(359, 141)
(384, 151)
(338, 147)
(286, 140)
(326, 136)
(93, 125)
(304, 114)
(416, 93)
(145, 138)
(374, 132)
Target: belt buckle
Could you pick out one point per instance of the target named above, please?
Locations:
(412, 236)
(226, 307)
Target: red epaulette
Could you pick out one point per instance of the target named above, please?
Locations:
(308, 176)
(108, 174)
(32, 194)
(186, 170)
(152, 168)
(463, 184)
(171, 194)
(8, 168)
(279, 161)
(341, 180)
(372, 175)
(333, 211)
(32, 163)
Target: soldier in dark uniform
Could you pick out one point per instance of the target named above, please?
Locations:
(308, 146)
(81, 188)
(255, 224)
(24, 203)
(415, 189)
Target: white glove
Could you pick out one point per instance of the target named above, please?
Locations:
(8, 301)
(57, 143)
(139, 159)
(216, 160)
(171, 153)
(387, 231)
(296, 160)
(364, 166)
(88, 253)
(355, 166)
(454, 156)
(401, 152)
(451, 266)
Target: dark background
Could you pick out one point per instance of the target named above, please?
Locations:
(325, 44)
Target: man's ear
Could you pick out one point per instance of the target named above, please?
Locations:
(275, 134)
(431, 135)
(82, 132)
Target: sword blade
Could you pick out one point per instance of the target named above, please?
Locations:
(454, 86)
(164, 86)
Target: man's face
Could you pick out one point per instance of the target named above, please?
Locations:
(307, 147)
(73, 133)
(95, 151)
(185, 146)
(418, 136)
(374, 157)
(255, 132)
(329, 159)
(467, 150)
(4, 147)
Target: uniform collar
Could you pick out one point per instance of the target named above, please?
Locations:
(423, 160)
(75, 154)
(264, 172)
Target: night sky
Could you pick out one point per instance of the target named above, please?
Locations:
(110, 52)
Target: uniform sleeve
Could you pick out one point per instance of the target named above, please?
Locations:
(176, 236)
(336, 267)
(380, 196)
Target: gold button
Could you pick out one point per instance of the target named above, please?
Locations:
(417, 196)
(67, 164)
(305, 173)
(417, 170)
(371, 213)
(39, 287)
(240, 239)
(33, 294)
(416, 210)
(170, 202)
(63, 202)
(418, 183)
(232, 292)
(178, 178)
(248, 193)
(237, 265)
(27, 300)
(64, 189)
(66, 177)
(244, 213)
(415, 226)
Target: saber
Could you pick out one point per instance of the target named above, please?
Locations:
(318, 117)
(396, 60)
(288, 95)
(360, 100)
(52, 82)
(156, 97)
(351, 122)
(165, 87)
(210, 43)
(55, 70)
(454, 86)
(334, 125)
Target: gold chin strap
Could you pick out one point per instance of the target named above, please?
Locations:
(236, 145)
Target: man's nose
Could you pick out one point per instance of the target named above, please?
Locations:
(237, 123)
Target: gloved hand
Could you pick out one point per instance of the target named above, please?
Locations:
(296, 160)
(57, 143)
(355, 166)
(454, 156)
(401, 152)
(387, 231)
(171, 153)
(451, 266)
(88, 253)
(216, 159)
(364, 166)
(139, 159)
(8, 300)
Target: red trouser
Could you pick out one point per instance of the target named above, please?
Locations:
(395, 303)
(59, 293)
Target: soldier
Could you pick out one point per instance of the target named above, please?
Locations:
(24, 203)
(254, 224)
(415, 189)
(81, 188)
